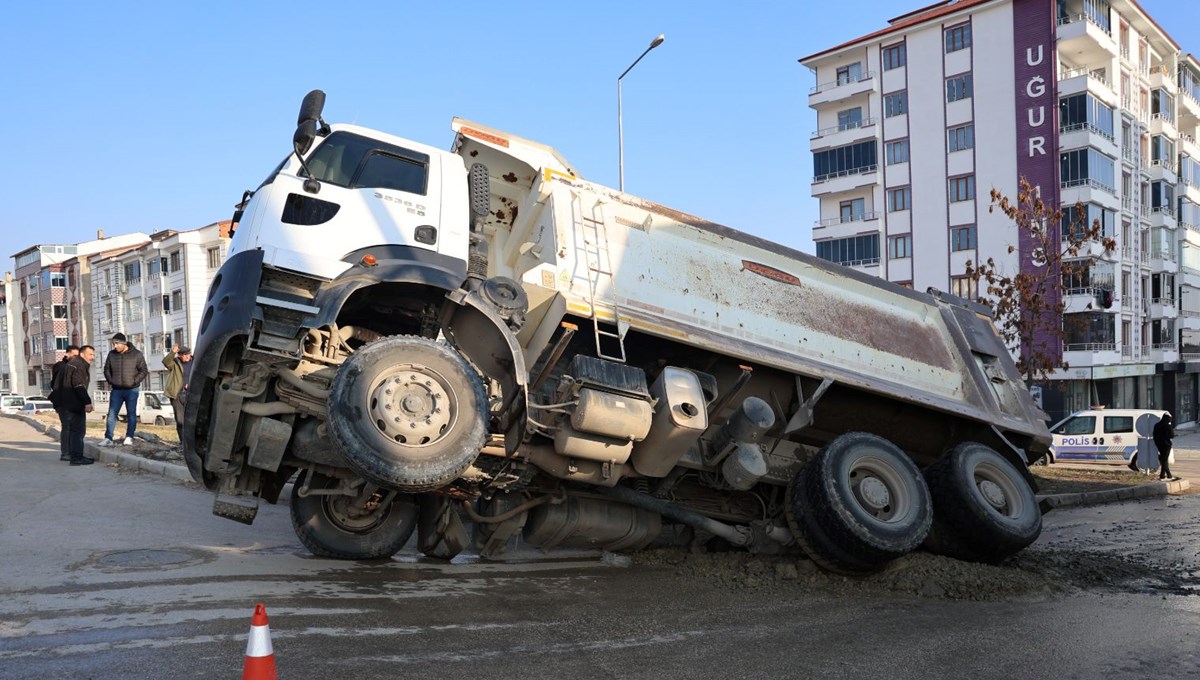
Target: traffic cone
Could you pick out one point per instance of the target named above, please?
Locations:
(260, 658)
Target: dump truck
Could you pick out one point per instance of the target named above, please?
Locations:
(480, 346)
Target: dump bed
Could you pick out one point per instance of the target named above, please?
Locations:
(644, 266)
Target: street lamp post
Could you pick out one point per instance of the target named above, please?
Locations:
(620, 130)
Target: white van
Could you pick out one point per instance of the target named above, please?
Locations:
(154, 408)
(11, 403)
(1106, 436)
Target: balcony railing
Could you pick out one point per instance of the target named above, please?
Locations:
(845, 173)
(1169, 117)
(1168, 255)
(865, 262)
(866, 122)
(860, 217)
(1089, 127)
(1162, 301)
(1163, 347)
(1092, 74)
(1163, 210)
(1075, 18)
(1090, 347)
(841, 81)
(1089, 182)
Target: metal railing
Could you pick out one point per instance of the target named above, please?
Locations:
(1164, 347)
(1075, 127)
(1090, 347)
(821, 87)
(1163, 210)
(1092, 74)
(845, 173)
(1169, 117)
(865, 262)
(1087, 181)
(1163, 301)
(866, 122)
(860, 217)
(1168, 255)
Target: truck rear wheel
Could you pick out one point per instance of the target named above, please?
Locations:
(859, 503)
(984, 510)
(348, 528)
(408, 413)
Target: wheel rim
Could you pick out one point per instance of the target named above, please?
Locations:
(998, 490)
(343, 514)
(880, 490)
(412, 405)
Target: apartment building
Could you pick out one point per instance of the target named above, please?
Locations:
(47, 307)
(7, 289)
(154, 293)
(1090, 100)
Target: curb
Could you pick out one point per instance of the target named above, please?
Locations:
(106, 454)
(1125, 493)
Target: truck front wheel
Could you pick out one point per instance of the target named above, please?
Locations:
(408, 413)
(984, 510)
(859, 503)
(369, 527)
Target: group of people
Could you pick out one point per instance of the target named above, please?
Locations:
(125, 370)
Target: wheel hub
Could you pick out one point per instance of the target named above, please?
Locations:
(993, 494)
(874, 494)
(411, 406)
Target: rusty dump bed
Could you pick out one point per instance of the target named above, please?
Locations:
(674, 275)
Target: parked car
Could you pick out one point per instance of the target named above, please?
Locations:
(1106, 436)
(36, 406)
(153, 408)
(11, 403)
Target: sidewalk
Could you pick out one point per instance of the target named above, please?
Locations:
(113, 454)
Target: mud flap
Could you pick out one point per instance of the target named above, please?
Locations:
(440, 532)
(235, 508)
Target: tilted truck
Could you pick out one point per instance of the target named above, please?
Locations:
(427, 340)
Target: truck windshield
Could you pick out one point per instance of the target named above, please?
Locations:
(357, 162)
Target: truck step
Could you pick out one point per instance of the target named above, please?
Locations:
(238, 510)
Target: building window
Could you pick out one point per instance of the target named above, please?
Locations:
(894, 56)
(958, 38)
(847, 120)
(852, 210)
(896, 152)
(852, 251)
(175, 261)
(214, 254)
(58, 279)
(1087, 167)
(850, 73)
(1162, 197)
(1083, 111)
(960, 138)
(964, 286)
(177, 300)
(959, 87)
(962, 188)
(1162, 150)
(61, 343)
(899, 199)
(133, 272)
(60, 311)
(166, 304)
(154, 266)
(895, 104)
(1162, 104)
(900, 247)
(1075, 222)
(156, 304)
(962, 238)
(845, 160)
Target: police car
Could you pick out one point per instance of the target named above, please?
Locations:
(1102, 435)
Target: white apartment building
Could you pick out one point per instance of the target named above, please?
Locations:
(7, 350)
(155, 294)
(1092, 102)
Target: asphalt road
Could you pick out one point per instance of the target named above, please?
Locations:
(109, 574)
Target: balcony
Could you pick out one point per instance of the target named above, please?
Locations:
(1163, 124)
(1189, 105)
(841, 135)
(1163, 308)
(843, 88)
(849, 219)
(1161, 352)
(1160, 76)
(1079, 135)
(1079, 80)
(1164, 260)
(846, 180)
(1163, 217)
(1087, 190)
(1091, 354)
(1081, 35)
(1163, 170)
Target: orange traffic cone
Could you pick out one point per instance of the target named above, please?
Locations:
(260, 658)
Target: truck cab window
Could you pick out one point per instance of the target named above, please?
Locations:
(356, 162)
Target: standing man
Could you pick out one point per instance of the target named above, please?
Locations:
(178, 363)
(73, 403)
(1164, 432)
(55, 372)
(124, 369)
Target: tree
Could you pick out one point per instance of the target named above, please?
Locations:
(1028, 306)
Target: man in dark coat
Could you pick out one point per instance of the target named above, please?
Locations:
(124, 369)
(1164, 432)
(55, 371)
(71, 400)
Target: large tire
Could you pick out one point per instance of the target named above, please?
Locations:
(408, 413)
(858, 504)
(984, 510)
(325, 525)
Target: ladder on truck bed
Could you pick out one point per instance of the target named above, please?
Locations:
(593, 233)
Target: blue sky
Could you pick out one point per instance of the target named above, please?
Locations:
(141, 116)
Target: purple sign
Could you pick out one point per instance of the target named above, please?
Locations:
(1037, 139)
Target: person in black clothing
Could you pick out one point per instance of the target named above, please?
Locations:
(55, 371)
(1164, 432)
(71, 400)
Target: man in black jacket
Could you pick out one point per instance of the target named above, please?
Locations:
(55, 371)
(72, 351)
(124, 369)
(71, 400)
